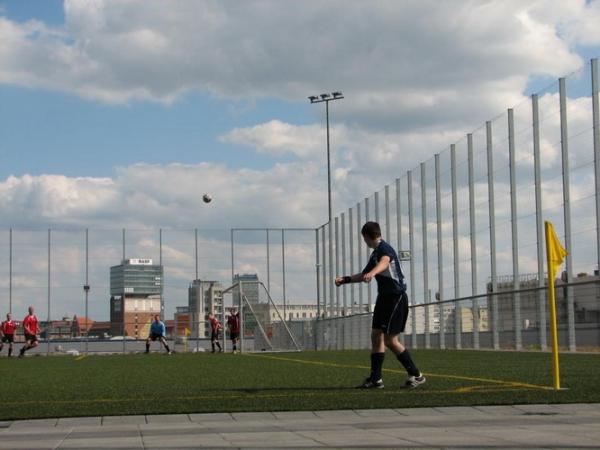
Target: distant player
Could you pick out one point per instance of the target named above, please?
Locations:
(7, 330)
(215, 326)
(158, 331)
(391, 307)
(233, 322)
(31, 329)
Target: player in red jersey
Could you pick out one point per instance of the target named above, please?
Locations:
(7, 330)
(233, 322)
(215, 326)
(31, 329)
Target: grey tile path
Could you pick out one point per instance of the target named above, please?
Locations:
(518, 426)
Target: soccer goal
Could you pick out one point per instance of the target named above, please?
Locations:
(262, 326)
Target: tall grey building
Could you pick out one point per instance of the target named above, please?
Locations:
(136, 287)
(204, 297)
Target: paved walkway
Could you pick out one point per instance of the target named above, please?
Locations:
(520, 426)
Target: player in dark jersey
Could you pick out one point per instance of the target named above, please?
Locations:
(233, 322)
(391, 307)
(7, 331)
(215, 326)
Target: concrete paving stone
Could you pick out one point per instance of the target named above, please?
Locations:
(575, 408)
(210, 417)
(178, 442)
(123, 420)
(5, 424)
(272, 439)
(103, 432)
(38, 434)
(79, 421)
(294, 415)
(459, 410)
(319, 424)
(377, 412)
(126, 442)
(30, 445)
(337, 414)
(538, 409)
(352, 438)
(168, 418)
(36, 423)
(508, 410)
(433, 436)
(427, 412)
(528, 436)
(252, 416)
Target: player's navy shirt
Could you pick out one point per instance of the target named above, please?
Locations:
(390, 282)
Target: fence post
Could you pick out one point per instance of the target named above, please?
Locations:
(473, 232)
(539, 223)
(457, 310)
(492, 218)
(596, 120)
(369, 288)
(564, 144)
(411, 231)
(440, 254)
(514, 230)
(425, 262)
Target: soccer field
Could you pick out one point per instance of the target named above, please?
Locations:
(61, 386)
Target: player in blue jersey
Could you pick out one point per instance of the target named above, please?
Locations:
(158, 332)
(391, 307)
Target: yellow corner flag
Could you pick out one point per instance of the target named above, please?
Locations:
(187, 331)
(555, 254)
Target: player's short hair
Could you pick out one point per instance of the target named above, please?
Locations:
(372, 230)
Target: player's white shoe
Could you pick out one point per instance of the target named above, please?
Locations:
(413, 382)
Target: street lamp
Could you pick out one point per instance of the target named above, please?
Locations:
(326, 97)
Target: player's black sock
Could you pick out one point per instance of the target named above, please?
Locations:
(376, 364)
(22, 351)
(219, 345)
(234, 347)
(9, 351)
(147, 347)
(408, 363)
(167, 347)
(212, 345)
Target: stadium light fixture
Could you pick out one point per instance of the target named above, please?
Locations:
(336, 95)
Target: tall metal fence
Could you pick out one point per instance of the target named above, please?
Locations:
(471, 219)
(468, 222)
(65, 275)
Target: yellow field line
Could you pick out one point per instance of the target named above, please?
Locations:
(429, 374)
(79, 358)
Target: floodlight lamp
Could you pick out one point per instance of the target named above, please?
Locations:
(324, 96)
(337, 94)
(313, 98)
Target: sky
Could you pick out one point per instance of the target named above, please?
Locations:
(121, 114)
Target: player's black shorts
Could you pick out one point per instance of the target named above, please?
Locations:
(8, 338)
(234, 335)
(30, 337)
(390, 313)
(155, 336)
(214, 335)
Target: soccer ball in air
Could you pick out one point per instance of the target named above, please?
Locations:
(207, 198)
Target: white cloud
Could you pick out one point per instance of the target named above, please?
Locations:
(409, 65)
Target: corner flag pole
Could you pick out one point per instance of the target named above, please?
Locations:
(555, 254)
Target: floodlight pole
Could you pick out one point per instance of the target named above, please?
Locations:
(327, 98)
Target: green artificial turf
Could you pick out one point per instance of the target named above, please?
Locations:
(63, 386)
